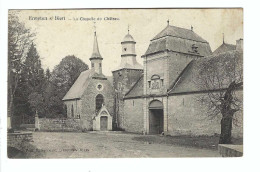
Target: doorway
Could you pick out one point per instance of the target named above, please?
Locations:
(103, 123)
(156, 117)
(156, 121)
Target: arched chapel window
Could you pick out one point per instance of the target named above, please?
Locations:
(99, 102)
(65, 111)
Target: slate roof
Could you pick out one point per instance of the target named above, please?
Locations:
(137, 88)
(95, 53)
(224, 48)
(128, 38)
(186, 81)
(180, 33)
(177, 39)
(79, 86)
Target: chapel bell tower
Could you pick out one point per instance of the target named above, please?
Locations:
(96, 58)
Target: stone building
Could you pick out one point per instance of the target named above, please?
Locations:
(91, 97)
(164, 98)
(158, 97)
(124, 76)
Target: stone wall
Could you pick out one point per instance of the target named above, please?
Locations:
(76, 105)
(183, 115)
(123, 80)
(186, 116)
(47, 124)
(15, 139)
(133, 115)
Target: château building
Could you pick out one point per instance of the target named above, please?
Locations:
(157, 97)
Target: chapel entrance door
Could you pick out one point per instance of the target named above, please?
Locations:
(103, 123)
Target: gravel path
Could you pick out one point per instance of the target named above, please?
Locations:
(108, 145)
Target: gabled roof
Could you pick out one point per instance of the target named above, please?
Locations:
(80, 85)
(78, 88)
(180, 33)
(137, 88)
(187, 79)
(178, 40)
(224, 48)
(102, 109)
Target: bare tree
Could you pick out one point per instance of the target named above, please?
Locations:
(19, 40)
(222, 76)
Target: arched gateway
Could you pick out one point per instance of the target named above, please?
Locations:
(156, 117)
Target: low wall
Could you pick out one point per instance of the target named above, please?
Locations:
(15, 139)
(228, 150)
(47, 124)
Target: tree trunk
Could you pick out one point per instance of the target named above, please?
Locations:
(10, 110)
(227, 114)
(226, 128)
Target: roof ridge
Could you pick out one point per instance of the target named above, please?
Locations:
(197, 38)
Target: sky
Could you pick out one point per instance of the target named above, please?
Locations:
(74, 35)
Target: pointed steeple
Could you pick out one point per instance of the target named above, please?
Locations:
(223, 38)
(95, 53)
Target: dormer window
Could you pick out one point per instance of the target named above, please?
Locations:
(194, 48)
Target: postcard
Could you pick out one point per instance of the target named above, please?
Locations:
(125, 83)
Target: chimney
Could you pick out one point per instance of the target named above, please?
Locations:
(239, 45)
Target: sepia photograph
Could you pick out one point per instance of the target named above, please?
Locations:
(125, 83)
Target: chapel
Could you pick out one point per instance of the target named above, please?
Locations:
(91, 97)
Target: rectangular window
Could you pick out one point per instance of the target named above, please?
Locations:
(162, 81)
(149, 84)
(100, 64)
(92, 64)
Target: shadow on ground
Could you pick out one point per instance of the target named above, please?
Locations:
(24, 151)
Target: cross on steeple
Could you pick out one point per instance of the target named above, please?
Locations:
(128, 29)
(168, 22)
(95, 27)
